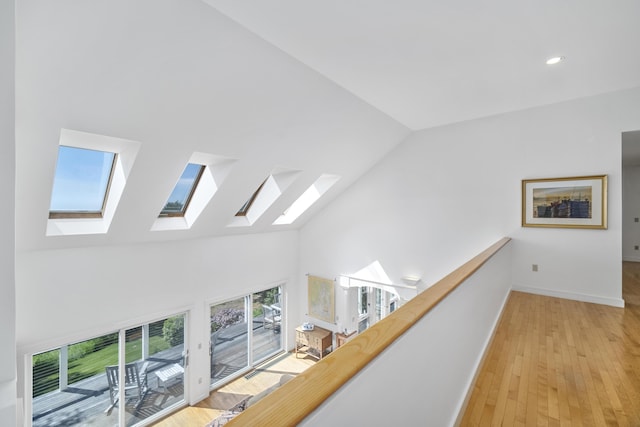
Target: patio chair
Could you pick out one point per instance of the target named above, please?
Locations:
(135, 381)
(272, 317)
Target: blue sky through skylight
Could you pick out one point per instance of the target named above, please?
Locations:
(81, 180)
(180, 194)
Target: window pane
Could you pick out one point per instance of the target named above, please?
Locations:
(88, 358)
(229, 339)
(161, 377)
(267, 324)
(46, 373)
(79, 369)
(133, 345)
(181, 194)
(81, 180)
(379, 304)
(363, 305)
(77, 384)
(159, 341)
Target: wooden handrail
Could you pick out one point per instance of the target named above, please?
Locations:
(294, 401)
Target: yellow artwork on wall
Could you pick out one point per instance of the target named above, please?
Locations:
(321, 297)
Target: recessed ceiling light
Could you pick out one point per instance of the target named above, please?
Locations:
(554, 60)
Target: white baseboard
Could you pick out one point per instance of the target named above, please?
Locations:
(614, 302)
(631, 258)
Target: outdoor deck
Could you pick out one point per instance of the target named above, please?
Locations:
(230, 348)
(85, 402)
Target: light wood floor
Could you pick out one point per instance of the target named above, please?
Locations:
(559, 362)
(226, 397)
(552, 362)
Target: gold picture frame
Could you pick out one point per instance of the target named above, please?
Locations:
(572, 202)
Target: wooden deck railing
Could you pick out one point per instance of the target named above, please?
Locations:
(295, 400)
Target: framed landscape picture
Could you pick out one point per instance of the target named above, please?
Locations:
(573, 202)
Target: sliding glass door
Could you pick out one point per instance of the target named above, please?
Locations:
(154, 368)
(229, 348)
(78, 384)
(383, 304)
(267, 324)
(244, 331)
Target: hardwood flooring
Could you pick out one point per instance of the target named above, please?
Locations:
(559, 362)
(226, 397)
(552, 362)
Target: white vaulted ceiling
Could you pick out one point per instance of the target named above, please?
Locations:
(178, 78)
(427, 63)
(313, 87)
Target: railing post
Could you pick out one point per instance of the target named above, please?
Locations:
(63, 377)
(145, 341)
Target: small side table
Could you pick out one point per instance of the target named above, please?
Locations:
(168, 373)
(313, 342)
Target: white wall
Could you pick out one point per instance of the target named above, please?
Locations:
(423, 378)
(446, 193)
(72, 294)
(7, 194)
(631, 210)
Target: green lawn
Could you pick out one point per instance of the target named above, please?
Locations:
(93, 363)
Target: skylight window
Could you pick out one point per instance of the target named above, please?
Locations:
(264, 197)
(90, 176)
(182, 193)
(244, 210)
(197, 185)
(81, 183)
(308, 198)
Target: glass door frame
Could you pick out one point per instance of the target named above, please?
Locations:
(122, 349)
(212, 345)
(248, 312)
(278, 329)
(121, 330)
